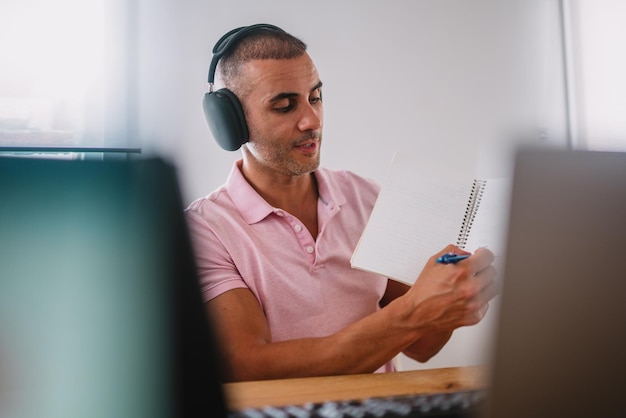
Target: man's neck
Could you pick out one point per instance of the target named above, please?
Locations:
(283, 191)
(295, 194)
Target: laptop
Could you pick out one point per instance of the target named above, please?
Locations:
(100, 307)
(560, 343)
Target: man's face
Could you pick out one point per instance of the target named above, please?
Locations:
(284, 113)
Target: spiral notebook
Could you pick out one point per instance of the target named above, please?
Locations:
(422, 208)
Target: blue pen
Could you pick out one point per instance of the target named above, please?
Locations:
(451, 258)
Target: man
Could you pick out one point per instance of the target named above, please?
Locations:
(273, 244)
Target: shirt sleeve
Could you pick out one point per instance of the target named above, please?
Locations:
(216, 270)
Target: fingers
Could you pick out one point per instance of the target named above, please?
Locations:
(485, 276)
(479, 283)
(483, 311)
(478, 315)
(479, 264)
(490, 288)
(481, 259)
(451, 249)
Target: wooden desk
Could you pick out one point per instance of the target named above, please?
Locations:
(319, 389)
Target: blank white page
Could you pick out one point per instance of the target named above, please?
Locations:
(418, 212)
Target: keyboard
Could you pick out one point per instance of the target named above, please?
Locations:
(462, 404)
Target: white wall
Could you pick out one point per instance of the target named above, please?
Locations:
(458, 81)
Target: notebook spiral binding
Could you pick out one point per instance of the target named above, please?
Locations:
(478, 188)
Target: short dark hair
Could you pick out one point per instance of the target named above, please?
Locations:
(258, 45)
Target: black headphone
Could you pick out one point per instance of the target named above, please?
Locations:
(222, 109)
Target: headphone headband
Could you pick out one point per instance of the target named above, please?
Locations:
(223, 45)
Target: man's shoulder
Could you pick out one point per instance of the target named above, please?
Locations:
(218, 197)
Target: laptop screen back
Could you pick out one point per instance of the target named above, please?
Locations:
(561, 339)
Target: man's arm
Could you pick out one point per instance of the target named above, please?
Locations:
(444, 297)
(251, 355)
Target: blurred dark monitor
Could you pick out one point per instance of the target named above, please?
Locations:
(561, 337)
(100, 310)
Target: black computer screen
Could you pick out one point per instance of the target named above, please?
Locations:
(100, 311)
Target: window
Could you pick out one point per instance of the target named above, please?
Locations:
(62, 68)
(599, 58)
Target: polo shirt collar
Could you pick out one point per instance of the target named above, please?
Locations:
(253, 208)
(331, 194)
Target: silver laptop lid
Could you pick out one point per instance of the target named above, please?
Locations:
(560, 346)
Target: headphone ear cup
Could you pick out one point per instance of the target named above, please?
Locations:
(224, 114)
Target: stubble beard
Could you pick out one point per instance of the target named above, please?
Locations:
(279, 159)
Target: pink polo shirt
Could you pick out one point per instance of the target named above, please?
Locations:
(305, 287)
